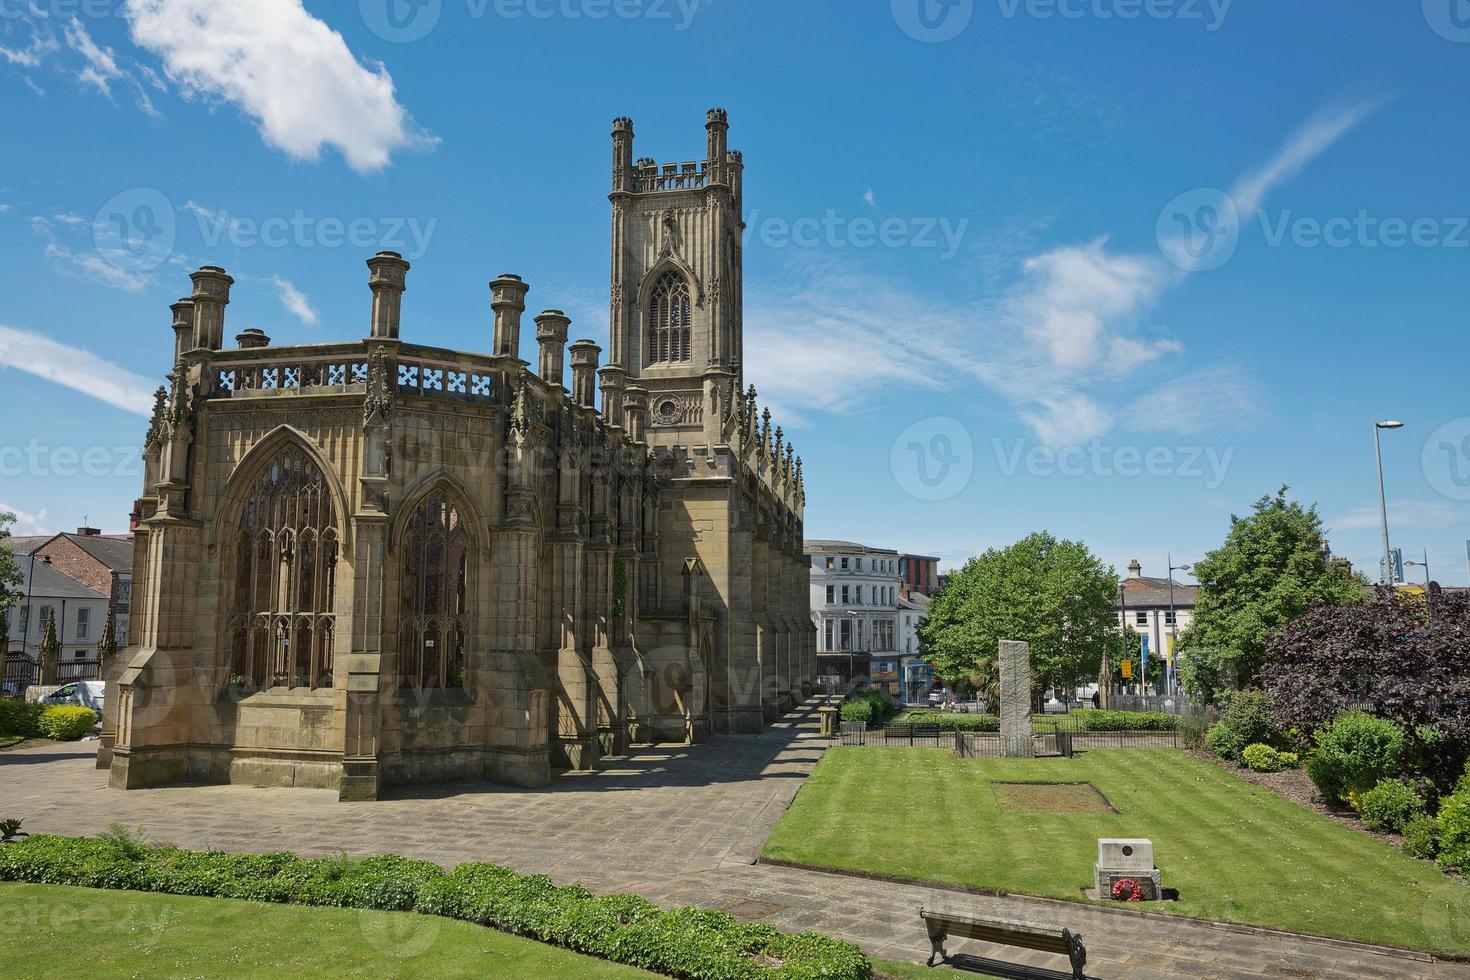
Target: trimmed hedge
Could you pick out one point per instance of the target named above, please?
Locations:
(1454, 828)
(66, 722)
(1096, 720)
(698, 944)
(1354, 753)
(867, 706)
(19, 717)
(949, 721)
(1391, 805)
(1247, 721)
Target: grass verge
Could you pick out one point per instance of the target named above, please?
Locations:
(1236, 852)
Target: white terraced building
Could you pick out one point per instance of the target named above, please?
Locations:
(855, 606)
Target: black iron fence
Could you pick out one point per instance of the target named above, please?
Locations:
(991, 745)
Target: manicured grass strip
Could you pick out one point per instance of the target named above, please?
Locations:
(689, 943)
(6, 741)
(1236, 852)
(59, 931)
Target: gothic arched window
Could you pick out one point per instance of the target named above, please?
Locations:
(433, 596)
(668, 320)
(281, 617)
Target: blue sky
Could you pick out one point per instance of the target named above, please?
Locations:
(1107, 267)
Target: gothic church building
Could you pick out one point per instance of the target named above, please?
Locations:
(376, 562)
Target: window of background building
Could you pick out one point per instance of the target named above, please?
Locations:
(829, 562)
(1141, 618)
(845, 597)
(84, 622)
(844, 563)
(125, 591)
(47, 612)
(831, 594)
(846, 634)
(1169, 618)
(827, 634)
(25, 620)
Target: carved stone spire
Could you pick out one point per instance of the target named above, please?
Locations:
(377, 406)
(156, 424)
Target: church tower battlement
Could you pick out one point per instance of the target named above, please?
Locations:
(675, 325)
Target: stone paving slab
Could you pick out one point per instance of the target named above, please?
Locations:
(678, 825)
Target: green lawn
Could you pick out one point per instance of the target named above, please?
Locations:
(1236, 852)
(55, 931)
(6, 741)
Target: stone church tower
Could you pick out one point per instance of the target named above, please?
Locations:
(376, 562)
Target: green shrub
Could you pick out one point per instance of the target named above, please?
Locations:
(867, 706)
(66, 722)
(1354, 753)
(949, 721)
(1193, 729)
(1454, 828)
(1260, 757)
(1421, 837)
(1390, 805)
(1247, 721)
(698, 944)
(1094, 720)
(18, 717)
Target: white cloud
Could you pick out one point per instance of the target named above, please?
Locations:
(77, 369)
(5, 208)
(1306, 142)
(101, 69)
(284, 68)
(295, 301)
(1418, 515)
(1054, 343)
(42, 43)
(27, 523)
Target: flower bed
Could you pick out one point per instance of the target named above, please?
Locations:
(698, 944)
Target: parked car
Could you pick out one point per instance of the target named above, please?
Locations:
(87, 694)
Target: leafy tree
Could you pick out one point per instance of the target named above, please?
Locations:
(10, 574)
(1385, 656)
(1270, 570)
(1054, 594)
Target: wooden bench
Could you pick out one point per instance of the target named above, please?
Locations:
(1003, 932)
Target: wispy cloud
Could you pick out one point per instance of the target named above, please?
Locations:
(295, 301)
(42, 43)
(27, 523)
(284, 68)
(1415, 515)
(85, 263)
(101, 68)
(1053, 342)
(75, 368)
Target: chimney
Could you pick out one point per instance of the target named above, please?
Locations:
(89, 532)
(252, 339)
(1135, 570)
(211, 296)
(613, 379)
(551, 338)
(584, 372)
(183, 327)
(508, 300)
(635, 407)
(387, 278)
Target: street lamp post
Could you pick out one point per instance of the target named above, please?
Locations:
(1173, 627)
(851, 645)
(1428, 596)
(1383, 497)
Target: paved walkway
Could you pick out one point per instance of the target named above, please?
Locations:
(680, 826)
